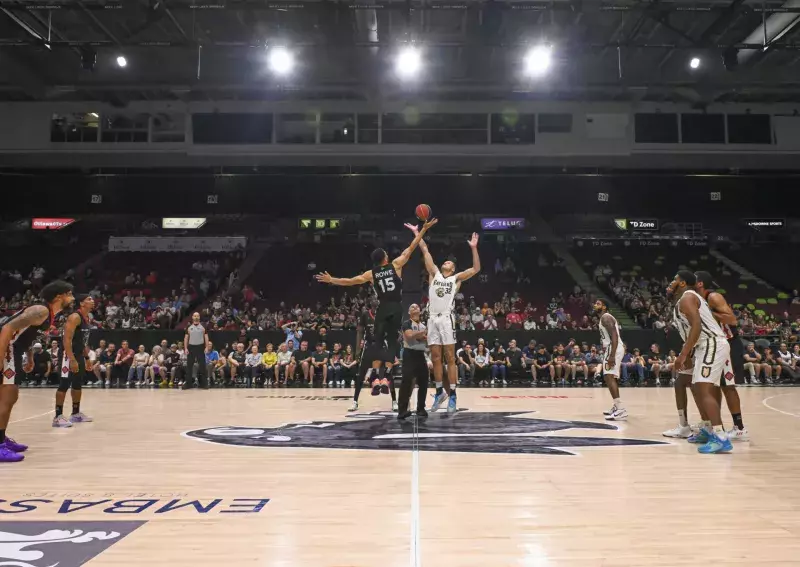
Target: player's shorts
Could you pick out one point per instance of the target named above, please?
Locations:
(65, 372)
(388, 320)
(617, 362)
(12, 367)
(441, 329)
(712, 363)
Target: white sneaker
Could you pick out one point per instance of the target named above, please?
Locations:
(768, 381)
(755, 380)
(620, 414)
(611, 411)
(394, 406)
(679, 432)
(61, 421)
(353, 407)
(352, 383)
(341, 383)
(658, 382)
(108, 383)
(736, 434)
(505, 383)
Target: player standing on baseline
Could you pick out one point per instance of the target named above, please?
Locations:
(705, 340)
(73, 364)
(387, 279)
(18, 333)
(444, 285)
(613, 351)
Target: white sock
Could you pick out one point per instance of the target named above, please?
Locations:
(438, 384)
(452, 387)
(682, 417)
(708, 427)
(719, 431)
(618, 403)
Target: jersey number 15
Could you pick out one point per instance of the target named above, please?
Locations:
(389, 285)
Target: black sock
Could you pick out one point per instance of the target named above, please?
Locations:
(76, 407)
(59, 410)
(737, 420)
(439, 390)
(2, 436)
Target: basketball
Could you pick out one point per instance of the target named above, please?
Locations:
(423, 212)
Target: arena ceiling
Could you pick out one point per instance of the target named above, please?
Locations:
(216, 49)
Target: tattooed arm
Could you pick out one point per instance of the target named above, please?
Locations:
(33, 315)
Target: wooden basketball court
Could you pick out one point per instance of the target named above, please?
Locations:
(523, 477)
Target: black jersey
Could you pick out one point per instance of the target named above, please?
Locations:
(23, 340)
(80, 338)
(387, 283)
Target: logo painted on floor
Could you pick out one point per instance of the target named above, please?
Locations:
(66, 544)
(467, 431)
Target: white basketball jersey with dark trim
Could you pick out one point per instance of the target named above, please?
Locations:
(442, 294)
(710, 327)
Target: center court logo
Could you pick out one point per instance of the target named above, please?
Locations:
(62, 544)
(470, 432)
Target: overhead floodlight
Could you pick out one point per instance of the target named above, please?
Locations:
(538, 60)
(281, 60)
(408, 63)
(122, 62)
(694, 63)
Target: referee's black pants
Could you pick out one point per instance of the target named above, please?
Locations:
(196, 355)
(415, 370)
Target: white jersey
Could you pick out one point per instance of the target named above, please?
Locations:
(605, 336)
(710, 327)
(442, 294)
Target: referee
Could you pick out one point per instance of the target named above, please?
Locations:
(194, 343)
(415, 367)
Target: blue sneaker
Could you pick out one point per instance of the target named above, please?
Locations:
(716, 445)
(701, 437)
(451, 405)
(438, 399)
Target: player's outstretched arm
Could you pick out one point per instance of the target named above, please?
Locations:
(325, 277)
(476, 261)
(426, 255)
(403, 258)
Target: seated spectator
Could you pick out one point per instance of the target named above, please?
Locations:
(302, 360)
(285, 364)
(42, 366)
(772, 367)
(173, 367)
(466, 364)
(319, 364)
(237, 361)
(155, 367)
(498, 359)
(787, 362)
(349, 365)
(140, 360)
(632, 363)
(105, 363)
(514, 320)
(753, 365)
(269, 363)
(577, 365)
(252, 366)
(482, 365)
(543, 366)
(655, 363)
(514, 360)
(594, 363)
(212, 360)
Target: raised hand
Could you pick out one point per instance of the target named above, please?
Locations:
(324, 277)
(413, 228)
(473, 242)
(429, 224)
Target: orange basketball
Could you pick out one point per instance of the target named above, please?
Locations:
(423, 212)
